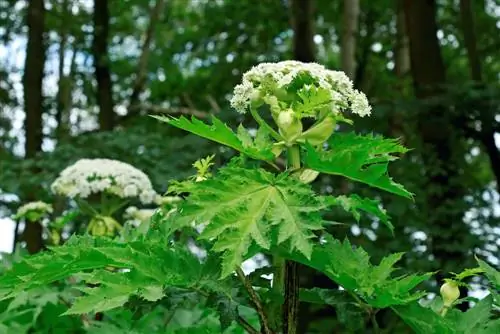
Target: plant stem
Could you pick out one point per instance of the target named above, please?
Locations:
(293, 157)
(291, 305)
(249, 328)
(376, 328)
(256, 301)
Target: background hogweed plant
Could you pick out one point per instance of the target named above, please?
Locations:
(184, 259)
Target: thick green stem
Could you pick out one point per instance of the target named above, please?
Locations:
(293, 157)
(291, 305)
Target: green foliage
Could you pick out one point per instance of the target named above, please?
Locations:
(350, 267)
(240, 206)
(478, 319)
(354, 204)
(118, 272)
(360, 158)
(260, 148)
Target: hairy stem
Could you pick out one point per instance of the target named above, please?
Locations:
(291, 305)
(256, 301)
(249, 328)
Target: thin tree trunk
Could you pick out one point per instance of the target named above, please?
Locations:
(33, 103)
(64, 84)
(302, 19)
(401, 69)
(140, 78)
(101, 65)
(402, 52)
(470, 40)
(349, 36)
(486, 115)
(441, 154)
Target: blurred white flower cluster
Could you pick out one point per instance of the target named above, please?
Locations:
(92, 176)
(39, 207)
(138, 216)
(282, 84)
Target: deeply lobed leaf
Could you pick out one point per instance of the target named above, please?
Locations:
(142, 268)
(240, 206)
(360, 158)
(259, 149)
(351, 268)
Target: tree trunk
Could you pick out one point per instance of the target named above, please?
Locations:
(349, 36)
(401, 69)
(401, 52)
(486, 115)
(33, 103)
(441, 147)
(101, 64)
(64, 85)
(302, 19)
(140, 78)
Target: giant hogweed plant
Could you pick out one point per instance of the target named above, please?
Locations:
(189, 255)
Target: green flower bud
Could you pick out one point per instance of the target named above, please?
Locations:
(103, 225)
(319, 133)
(97, 228)
(55, 237)
(449, 292)
(290, 127)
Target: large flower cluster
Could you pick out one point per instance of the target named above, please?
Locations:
(92, 176)
(39, 207)
(283, 84)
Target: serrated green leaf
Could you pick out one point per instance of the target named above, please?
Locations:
(490, 272)
(222, 134)
(239, 206)
(423, 320)
(325, 296)
(149, 262)
(350, 267)
(354, 204)
(102, 299)
(359, 158)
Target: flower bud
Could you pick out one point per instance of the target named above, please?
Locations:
(55, 237)
(256, 99)
(449, 292)
(289, 126)
(319, 133)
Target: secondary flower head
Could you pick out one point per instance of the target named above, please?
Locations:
(309, 89)
(34, 210)
(138, 215)
(93, 176)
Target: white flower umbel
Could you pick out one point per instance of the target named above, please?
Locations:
(39, 208)
(138, 216)
(308, 88)
(93, 176)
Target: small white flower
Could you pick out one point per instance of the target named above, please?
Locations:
(130, 191)
(147, 197)
(93, 176)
